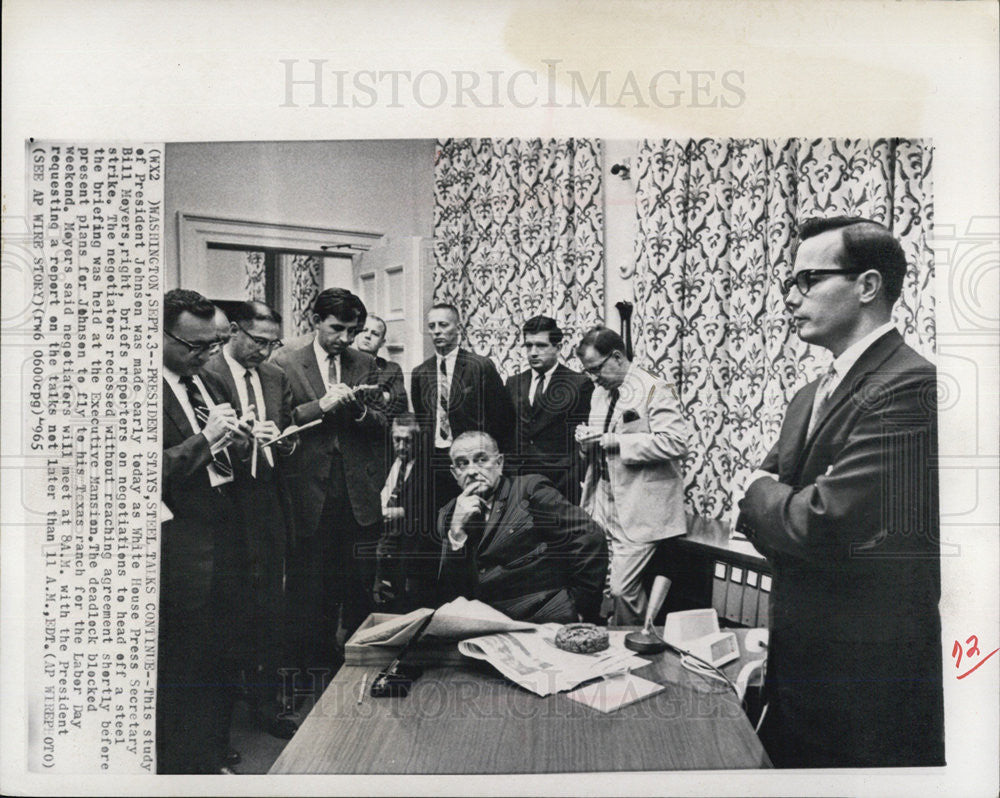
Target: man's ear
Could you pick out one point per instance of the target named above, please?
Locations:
(234, 327)
(870, 284)
(500, 459)
(315, 320)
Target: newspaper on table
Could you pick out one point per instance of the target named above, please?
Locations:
(532, 660)
(455, 620)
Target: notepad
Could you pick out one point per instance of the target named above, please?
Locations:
(610, 695)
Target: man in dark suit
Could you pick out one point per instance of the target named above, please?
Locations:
(517, 544)
(390, 375)
(200, 584)
(335, 476)
(550, 400)
(454, 391)
(405, 514)
(845, 508)
(260, 392)
(457, 391)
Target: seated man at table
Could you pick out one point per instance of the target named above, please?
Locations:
(516, 543)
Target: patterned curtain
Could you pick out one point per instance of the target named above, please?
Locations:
(253, 263)
(717, 223)
(519, 231)
(304, 271)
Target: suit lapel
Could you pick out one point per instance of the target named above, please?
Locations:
(869, 362)
(220, 368)
(497, 519)
(309, 366)
(272, 395)
(455, 394)
(793, 432)
(175, 413)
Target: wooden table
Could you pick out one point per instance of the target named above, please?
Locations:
(468, 719)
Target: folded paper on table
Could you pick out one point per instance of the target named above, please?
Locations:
(455, 620)
(609, 695)
(532, 660)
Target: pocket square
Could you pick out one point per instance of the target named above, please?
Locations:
(629, 415)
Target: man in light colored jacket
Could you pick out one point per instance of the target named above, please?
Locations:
(634, 442)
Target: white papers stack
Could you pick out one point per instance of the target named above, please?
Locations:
(532, 660)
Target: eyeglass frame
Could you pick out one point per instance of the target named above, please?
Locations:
(262, 343)
(200, 349)
(793, 281)
(595, 371)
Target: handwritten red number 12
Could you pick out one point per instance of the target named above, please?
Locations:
(972, 650)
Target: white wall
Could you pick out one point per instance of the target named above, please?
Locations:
(378, 186)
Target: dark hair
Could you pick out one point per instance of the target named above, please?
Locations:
(254, 311)
(602, 340)
(179, 300)
(543, 324)
(446, 306)
(866, 244)
(341, 303)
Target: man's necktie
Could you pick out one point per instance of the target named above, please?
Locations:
(536, 389)
(397, 488)
(220, 460)
(252, 405)
(613, 396)
(444, 426)
(823, 392)
(332, 376)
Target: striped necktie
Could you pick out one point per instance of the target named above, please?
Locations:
(220, 460)
(444, 426)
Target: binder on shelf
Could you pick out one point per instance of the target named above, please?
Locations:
(734, 595)
(763, 619)
(719, 580)
(750, 601)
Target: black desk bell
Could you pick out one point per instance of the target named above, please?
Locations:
(647, 641)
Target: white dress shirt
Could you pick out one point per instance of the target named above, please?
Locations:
(843, 364)
(544, 378)
(390, 481)
(323, 360)
(237, 370)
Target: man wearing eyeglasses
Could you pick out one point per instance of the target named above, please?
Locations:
(634, 443)
(845, 508)
(260, 393)
(199, 582)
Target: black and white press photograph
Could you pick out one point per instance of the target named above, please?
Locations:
(552, 398)
(686, 499)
